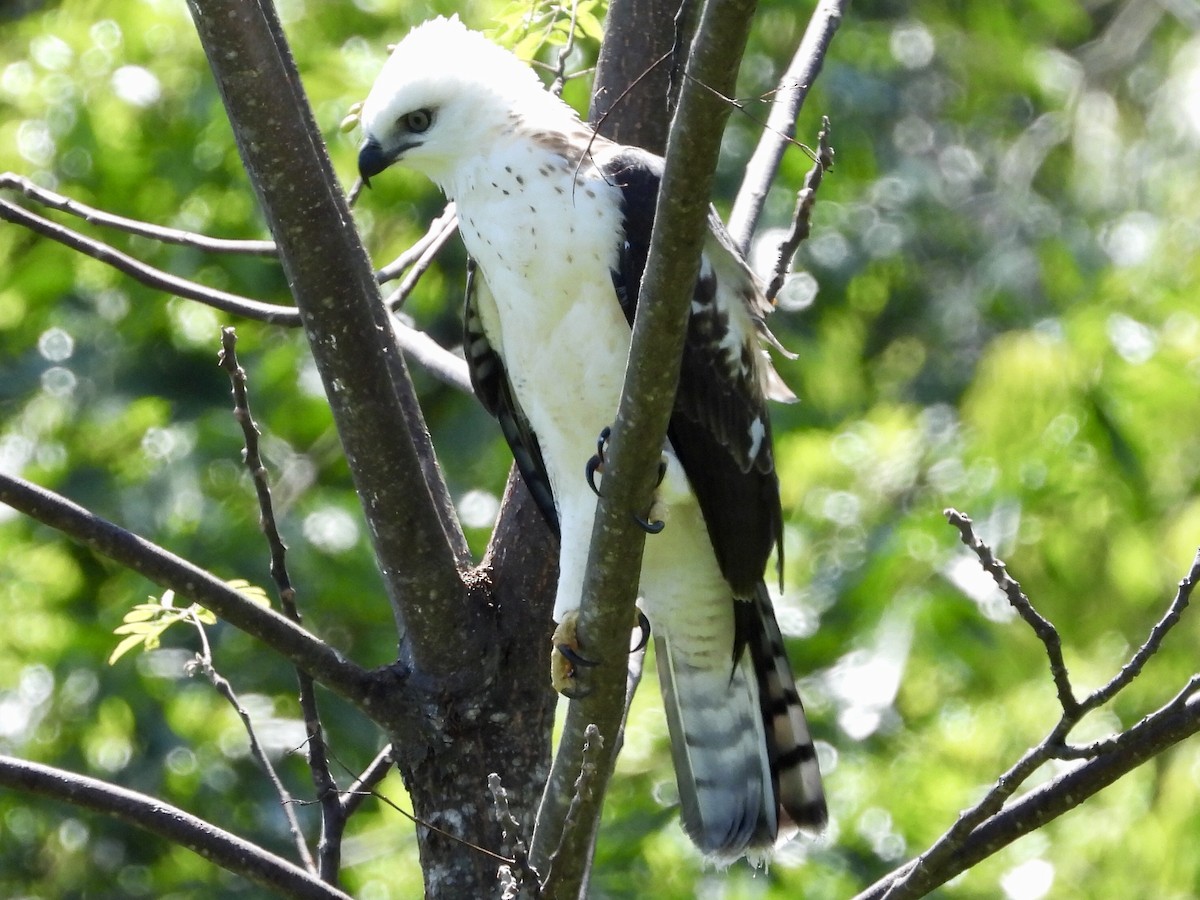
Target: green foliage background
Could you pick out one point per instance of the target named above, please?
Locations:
(1005, 271)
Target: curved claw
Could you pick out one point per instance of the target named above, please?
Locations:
(596, 463)
(573, 656)
(602, 441)
(644, 628)
(576, 692)
(593, 465)
(654, 527)
(662, 470)
(569, 687)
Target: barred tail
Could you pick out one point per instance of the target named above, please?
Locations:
(791, 755)
(744, 759)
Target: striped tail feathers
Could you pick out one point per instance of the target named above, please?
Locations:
(744, 757)
(719, 750)
(792, 756)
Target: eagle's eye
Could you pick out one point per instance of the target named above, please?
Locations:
(418, 120)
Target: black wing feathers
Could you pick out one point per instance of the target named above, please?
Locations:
(717, 406)
(490, 382)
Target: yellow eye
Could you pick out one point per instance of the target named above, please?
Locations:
(418, 120)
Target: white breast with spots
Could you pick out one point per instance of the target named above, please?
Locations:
(547, 243)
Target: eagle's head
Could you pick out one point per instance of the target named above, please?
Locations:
(445, 94)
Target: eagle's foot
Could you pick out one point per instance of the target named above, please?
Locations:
(566, 660)
(596, 463)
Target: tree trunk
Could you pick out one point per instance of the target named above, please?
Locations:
(504, 725)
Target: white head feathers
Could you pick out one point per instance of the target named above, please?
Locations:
(446, 90)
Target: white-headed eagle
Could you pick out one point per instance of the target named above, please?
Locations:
(557, 221)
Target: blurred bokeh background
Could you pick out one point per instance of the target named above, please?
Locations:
(996, 311)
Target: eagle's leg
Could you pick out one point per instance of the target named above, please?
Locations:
(566, 660)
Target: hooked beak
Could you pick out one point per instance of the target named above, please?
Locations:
(372, 159)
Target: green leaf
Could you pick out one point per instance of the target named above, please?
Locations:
(124, 647)
(251, 592)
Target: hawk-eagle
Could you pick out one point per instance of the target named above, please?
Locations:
(557, 221)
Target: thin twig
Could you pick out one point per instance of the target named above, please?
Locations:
(806, 198)
(491, 854)
(364, 785)
(447, 221)
(789, 98)
(441, 363)
(51, 200)
(1045, 631)
(585, 789)
(431, 249)
(275, 875)
(252, 458)
(204, 664)
(1133, 668)
(560, 77)
(332, 820)
(147, 274)
(520, 876)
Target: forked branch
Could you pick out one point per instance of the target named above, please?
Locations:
(997, 820)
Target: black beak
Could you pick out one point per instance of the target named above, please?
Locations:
(372, 160)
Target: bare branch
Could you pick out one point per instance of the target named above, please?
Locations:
(51, 200)
(268, 871)
(364, 785)
(447, 367)
(1045, 631)
(560, 67)
(520, 877)
(990, 824)
(785, 109)
(437, 232)
(566, 867)
(806, 198)
(1159, 731)
(1125, 738)
(431, 248)
(332, 820)
(258, 471)
(147, 274)
(373, 402)
(1133, 668)
(203, 663)
(441, 363)
(291, 641)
